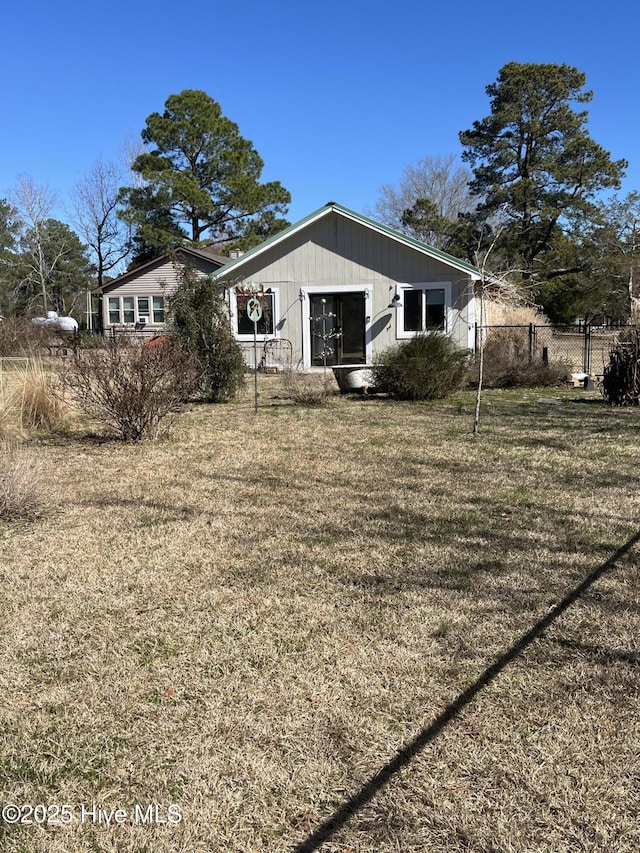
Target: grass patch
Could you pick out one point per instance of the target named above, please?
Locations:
(249, 620)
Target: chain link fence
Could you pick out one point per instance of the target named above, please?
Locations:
(583, 348)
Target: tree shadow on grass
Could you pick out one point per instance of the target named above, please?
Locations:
(600, 654)
(404, 756)
(526, 421)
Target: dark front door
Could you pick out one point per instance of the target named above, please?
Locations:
(337, 328)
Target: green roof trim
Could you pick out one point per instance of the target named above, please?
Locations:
(334, 207)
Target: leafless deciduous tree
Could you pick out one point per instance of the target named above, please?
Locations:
(502, 287)
(131, 149)
(49, 265)
(95, 217)
(438, 179)
(35, 205)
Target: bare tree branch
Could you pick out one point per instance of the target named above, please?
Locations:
(95, 217)
(35, 205)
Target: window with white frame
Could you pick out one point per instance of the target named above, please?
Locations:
(114, 310)
(423, 308)
(129, 310)
(158, 309)
(143, 309)
(243, 326)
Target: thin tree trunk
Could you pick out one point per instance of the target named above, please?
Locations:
(43, 280)
(476, 419)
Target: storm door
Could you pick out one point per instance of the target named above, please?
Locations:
(337, 327)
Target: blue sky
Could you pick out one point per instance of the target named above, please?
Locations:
(337, 97)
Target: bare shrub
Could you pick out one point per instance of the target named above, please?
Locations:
(507, 362)
(21, 484)
(135, 390)
(20, 337)
(621, 380)
(307, 389)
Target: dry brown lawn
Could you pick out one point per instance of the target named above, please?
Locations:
(250, 618)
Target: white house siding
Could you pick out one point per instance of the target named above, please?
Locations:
(335, 253)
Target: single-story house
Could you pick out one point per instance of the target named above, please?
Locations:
(136, 301)
(340, 287)
(335, 288)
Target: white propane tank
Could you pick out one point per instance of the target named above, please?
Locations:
(65, 324)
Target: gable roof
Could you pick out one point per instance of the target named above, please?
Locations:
(333, 207)
(205, 254)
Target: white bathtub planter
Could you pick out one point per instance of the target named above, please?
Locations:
(354, 377)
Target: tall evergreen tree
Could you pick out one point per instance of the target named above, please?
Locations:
(533, 159)
(201, 178)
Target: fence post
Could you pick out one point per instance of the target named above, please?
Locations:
(532, 341)
(586, 358)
